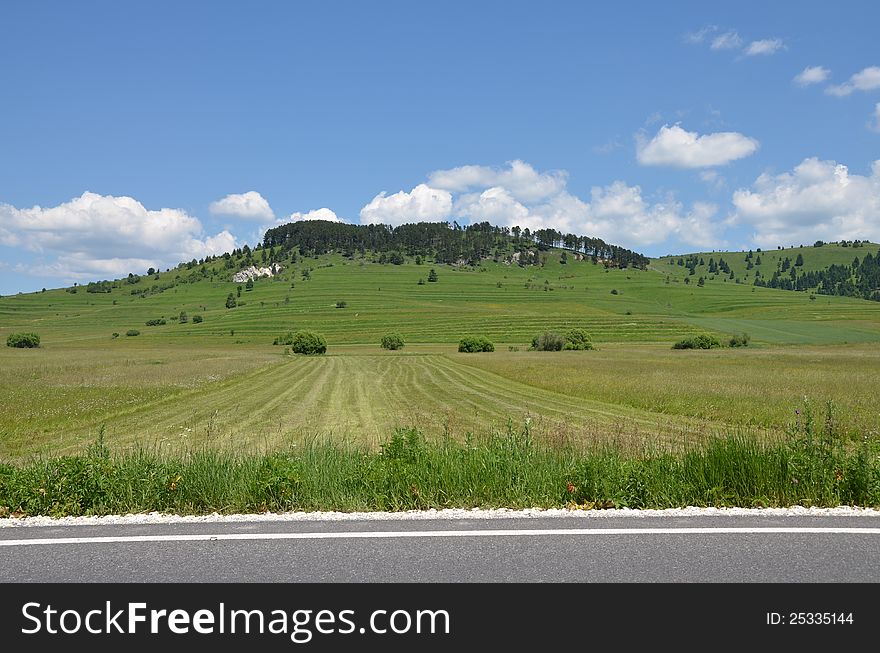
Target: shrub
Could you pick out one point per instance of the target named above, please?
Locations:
(614, 291)
(741, 340)
(432, 276)
(548, 341)
(132, 332)
(286, 339)
(115, 335)
(392, 341)
(23, 340)
(578, 339)
(342, 304)
(183, 318)
(473, 344)
(702, 341)
(157, 322)
(308, 342)
(198, 319)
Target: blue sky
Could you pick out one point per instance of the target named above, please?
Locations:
(141, 135)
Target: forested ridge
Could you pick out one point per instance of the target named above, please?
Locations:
(443, 242)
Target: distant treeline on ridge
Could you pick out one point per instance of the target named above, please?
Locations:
(446, 243)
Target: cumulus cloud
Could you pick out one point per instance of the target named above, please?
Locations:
(818, 200)
(812, 75)
(104, 236)
(422, 204)
(673, 146)
(867, 79)
(727, 41)
(764, 46)
(518, 195)
(249, 206)
(519, 178)
(316, 214)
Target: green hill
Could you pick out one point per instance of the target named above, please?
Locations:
(221, 382)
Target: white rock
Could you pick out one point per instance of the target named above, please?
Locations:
(253, 272)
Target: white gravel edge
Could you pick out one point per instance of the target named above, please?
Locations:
(457, 513)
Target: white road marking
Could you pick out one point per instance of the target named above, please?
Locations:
(380, 535)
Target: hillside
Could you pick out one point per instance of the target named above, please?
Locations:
(221, 381)
(504, 301)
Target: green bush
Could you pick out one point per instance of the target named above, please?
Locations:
(741, 340)
(23, 340)
(392, 341)
(308, 342)
(286, 339)
(578, 339)
(198, 319)
(132, 332)
(473, 344)
(160, 321)
(341, 304)
(548, 341)
(702, 341)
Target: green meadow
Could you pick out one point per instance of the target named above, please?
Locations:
(222, 384)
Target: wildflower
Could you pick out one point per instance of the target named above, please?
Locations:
(570, 487)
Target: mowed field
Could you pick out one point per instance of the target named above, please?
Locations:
(221, 383)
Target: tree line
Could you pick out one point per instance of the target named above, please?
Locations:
(445, 242)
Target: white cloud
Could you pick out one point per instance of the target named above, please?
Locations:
(874, 122)
(867, 79)
(673, 146)
(519, 178)
(727, 41)
(518, 195)
(812, 75)
(700, 35)
(250, 206)
(317, 214)
(818, 200)
(422, 204)
(101, 235)
(764, 46)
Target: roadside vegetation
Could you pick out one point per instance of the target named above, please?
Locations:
(813, 466)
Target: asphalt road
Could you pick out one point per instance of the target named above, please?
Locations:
(782, 549)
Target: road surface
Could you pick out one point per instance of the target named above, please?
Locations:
(570, 548)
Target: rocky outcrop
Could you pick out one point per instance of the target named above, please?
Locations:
(253, 272)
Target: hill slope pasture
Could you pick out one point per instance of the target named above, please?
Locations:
(221, 382)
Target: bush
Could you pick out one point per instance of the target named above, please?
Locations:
(23, 340)
(183, 318)
(115, 335)
(702, 341)
(286, 339)
(157, 322)
(198, 319)
(578, 339)
(432, 276)
(341, 304)
(741, 340)
(308, 342)
(614, 291)
(392, 341)
(473, 344)
(548, 341)
(132, 332)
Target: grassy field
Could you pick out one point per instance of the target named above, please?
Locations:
(222, 384)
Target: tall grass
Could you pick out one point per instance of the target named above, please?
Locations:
(812, 467)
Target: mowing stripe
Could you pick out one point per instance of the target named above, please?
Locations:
(380, 535)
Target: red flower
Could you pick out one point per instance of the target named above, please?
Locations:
(569, 486)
